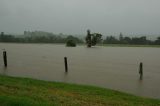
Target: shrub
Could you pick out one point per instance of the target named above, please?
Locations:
(71, 43)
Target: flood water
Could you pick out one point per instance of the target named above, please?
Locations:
(110, 67)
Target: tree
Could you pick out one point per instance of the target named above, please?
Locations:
(127, 40)
(96, 38)
(75, 39)
(121, 38)
(2, 36)
(157, 41)
(141, 40)
(71, 43)
(88, 39)
(111, 40)
(92, 39)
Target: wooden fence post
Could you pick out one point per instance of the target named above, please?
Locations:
(5, 58)
(66, 64)
(141, 70)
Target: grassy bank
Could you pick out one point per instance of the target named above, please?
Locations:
(24, 92)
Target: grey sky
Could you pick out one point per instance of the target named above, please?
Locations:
(76, 16)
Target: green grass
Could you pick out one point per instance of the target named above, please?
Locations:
(29, 92)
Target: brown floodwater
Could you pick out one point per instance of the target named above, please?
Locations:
(110, 67)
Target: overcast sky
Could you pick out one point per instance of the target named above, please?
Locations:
(76, 16)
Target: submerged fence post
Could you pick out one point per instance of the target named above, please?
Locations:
(66, 64)
(5, 58)
(141, 70)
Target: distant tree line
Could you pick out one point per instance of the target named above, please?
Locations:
(91, 39)
(130, 40)
(38, 37)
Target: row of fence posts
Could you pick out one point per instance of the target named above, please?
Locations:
(66, 64)
(5, 61)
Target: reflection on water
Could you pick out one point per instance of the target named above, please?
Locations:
(111, 67)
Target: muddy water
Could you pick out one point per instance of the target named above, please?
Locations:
(110, 67)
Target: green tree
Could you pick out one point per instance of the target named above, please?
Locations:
(157, 41)
(92, 39)
(127, 40)
(75, 39)
(139, 40)
(71, 43)
(96, 38)
(88, 39)
(121, 38)
(111, 40)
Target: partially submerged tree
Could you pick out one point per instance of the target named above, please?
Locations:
(71, 43)
(88, 39)
(96, 38)
(92, 39)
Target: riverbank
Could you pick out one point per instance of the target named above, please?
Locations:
(24, 92)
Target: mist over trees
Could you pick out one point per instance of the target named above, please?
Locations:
(130, 40)
(38, 37)
(91, 39)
